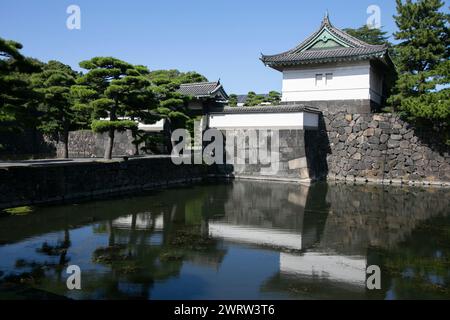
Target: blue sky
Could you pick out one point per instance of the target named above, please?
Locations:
(220, 39)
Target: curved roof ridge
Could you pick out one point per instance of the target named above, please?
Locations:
(203, 89)
(350, 48)
(359, 42)
(326, 23)
(311, 37)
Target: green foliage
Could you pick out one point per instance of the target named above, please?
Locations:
(117, 125)
(274, 97)
(232, 101)
(369, 35)
(18, 99)
(373, 36)
(417, 254)
(254, 99)
(172, 105)
(111, 95)
(101, 72)
(82, 95)
(152, 142)
(57, 107)
(174, 77)
(115, 89)
(422, 92)
(19, 211)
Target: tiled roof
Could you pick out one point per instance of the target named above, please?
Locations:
(322, 56)
(348, 48)
(201, 89)
(267, 109)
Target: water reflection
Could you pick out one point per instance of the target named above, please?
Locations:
(234, 240)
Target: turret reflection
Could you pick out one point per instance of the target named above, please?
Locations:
(243, 239)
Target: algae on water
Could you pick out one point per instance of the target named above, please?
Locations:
(19, 211)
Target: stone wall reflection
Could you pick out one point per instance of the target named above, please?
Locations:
(320, 237)
(381, 216)
(274, 205)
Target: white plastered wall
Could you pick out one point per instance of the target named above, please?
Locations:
(292, 120)
(349, 81)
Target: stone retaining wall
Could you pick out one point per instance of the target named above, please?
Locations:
(355, 144)
(26, 185)
(26, 145)
(291, 163)
(88, 144)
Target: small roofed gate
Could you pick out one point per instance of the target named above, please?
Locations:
(266, 142)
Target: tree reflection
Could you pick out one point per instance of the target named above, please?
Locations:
(136, 262)
(33, 273)
(420, 265)
(318, 240)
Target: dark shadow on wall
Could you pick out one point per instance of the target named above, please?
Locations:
(316, 214)
(30, 144)
(317, 147)
(224, 168)
(433, 139)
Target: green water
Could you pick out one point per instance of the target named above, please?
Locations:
(239, 240)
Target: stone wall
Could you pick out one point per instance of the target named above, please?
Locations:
(356, 144)
(69, 181)
(291, 163)
(26, 145)
(32, 144)
(88, 144)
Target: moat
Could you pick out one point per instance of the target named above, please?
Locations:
(233, 240)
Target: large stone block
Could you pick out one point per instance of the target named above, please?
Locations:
(298, 163)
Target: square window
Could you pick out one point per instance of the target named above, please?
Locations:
(328, 78)
(318, 79)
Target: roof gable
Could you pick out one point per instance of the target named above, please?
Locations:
(203, 90)
(324, 40)
(327, 44)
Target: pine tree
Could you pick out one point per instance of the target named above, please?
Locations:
(422, 91)
(233, 100)
(18, 99)
(173, 105)
(57, 113)
(253, 99)
(274, 97)
(102, 78)
(369, 35)
(139, 102)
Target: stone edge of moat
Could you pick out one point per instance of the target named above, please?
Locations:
(103, 194)
(148, 175)
(393, 182)
(54, 182)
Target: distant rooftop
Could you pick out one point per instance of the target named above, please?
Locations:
(204, 90)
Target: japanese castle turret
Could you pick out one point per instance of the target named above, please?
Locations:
(331, 65)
